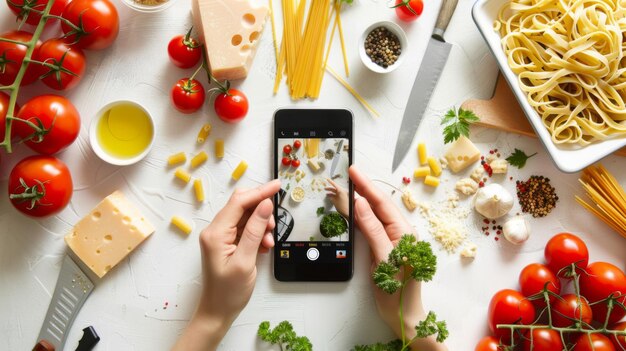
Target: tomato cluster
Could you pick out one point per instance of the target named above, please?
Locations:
(290, 158)
(582, 317)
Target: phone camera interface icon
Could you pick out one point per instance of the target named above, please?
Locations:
(342, 133)
(330, 134)
(284, 253)
(341, 254)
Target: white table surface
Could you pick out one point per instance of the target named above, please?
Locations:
(127, 307)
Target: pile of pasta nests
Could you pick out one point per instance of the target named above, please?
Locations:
(569, 58)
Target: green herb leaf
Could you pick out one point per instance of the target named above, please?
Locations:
(385, 277)
(457, 124)
(393, 345)
(320, 211)
(333, 224)
(430, 326)
(283, 334)
(416, 255)
(349, 2)
(519, 158)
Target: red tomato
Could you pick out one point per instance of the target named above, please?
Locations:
(12, 55)
(188, 95)
(69, 64)
(600, 280)
(619, 341)
(96, 24)
(184, 51)
(19, 8)
(598, 343)
(409, 10)
(295, 163)
(563, 250)
(297, 144)
(231, 107)
(286, 161)
(568, 311)
(57, 116)
(4, 107)
(488, 343)
(534, 278)
(48, 186)
(543, 340)
(509, 307)
(287, 149)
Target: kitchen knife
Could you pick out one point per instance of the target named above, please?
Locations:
(333, 166)
(72, 289)
(427, 77)
(89, 340)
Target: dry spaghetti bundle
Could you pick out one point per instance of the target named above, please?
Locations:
(607, 196)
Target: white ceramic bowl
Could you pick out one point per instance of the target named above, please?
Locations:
(393, 28)
(95, 144)
(133, 4)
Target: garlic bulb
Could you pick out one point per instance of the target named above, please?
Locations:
(516, 230)
(493, 201)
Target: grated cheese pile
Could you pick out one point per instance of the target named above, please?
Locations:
(446, 222)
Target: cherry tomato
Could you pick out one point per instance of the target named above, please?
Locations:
(600, 280)
(97, 21)
(409, 10)
(12, 55)
(286, 161)
(295, 163)
(184, 51)
(188, 95)
(19, 8)
(543, 340)
(297, 144)
(509, 307)
(488, 343)
(598, 343)
(65, 59)
(40, 186)
(287, 149)
(563, 250)
(569, 310)
(4, 109)
(534, 278)
(59, 119)
(231, 107)
(619, 341)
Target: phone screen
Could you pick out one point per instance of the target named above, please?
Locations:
(313, 209)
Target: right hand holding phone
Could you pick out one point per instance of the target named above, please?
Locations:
(383, 225)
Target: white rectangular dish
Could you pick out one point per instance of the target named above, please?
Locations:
(567, 158)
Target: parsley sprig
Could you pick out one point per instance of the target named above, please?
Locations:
(284, 336)
(457, 123)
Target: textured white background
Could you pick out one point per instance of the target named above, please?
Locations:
(126, 308)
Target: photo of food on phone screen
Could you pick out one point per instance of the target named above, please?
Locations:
(313, 204)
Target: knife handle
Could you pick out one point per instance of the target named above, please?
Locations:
(43, 345)
(445, 14)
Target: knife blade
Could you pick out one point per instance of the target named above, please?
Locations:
(434, 61)
(333, 165)
(71, 291)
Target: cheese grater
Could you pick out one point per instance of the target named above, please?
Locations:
(72, 289)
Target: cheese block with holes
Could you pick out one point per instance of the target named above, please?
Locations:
(230, 30)
(108, 233)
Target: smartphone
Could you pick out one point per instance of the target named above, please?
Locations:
(314, 213)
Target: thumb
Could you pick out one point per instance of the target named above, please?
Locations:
(253, 233)
(372, 229)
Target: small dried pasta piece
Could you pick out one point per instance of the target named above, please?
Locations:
(182, 175)
(219, 148)
(431, 181)
(203, 134)
(176, 159)
(421, 172)
(434, 166)
(181, 224)
(199, 159)
(198, 189)
(240, 170)
(421, 154)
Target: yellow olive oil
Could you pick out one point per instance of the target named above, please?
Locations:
(125, 131)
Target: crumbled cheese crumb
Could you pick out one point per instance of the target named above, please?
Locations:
(444, 162)
(467, 186)
(447, 222)
(469, 251)
(477, 174)
(499, 166)
(408, 200)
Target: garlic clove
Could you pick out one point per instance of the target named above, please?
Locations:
(516, 230)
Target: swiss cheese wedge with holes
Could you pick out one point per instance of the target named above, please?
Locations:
(230, 30)
(108, 233)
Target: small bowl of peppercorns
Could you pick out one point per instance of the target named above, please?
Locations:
(381, 46)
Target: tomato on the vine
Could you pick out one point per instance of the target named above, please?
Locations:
(593, 342)
(297, 144)
(63, 65)
(543, 340)
(4, 107)
(619, 341)
(95, 24)
(600, 280)
(57, 121)
(184, 51)
(286, 161)
(21, 8)
(534, 278)
(562, 251)
(231, 106)
(569, 311)
(409, 10)
(188, 95)
(287, 149)
(12, 55)
(295, 163)
(40, 186)
(488, 343)
(509, 307)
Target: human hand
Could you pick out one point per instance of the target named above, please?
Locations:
(338, 197)
(229, 248)
(383, 225)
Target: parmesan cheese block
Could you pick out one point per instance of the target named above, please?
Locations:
(230, 30)
(461, 154)
(108, 233)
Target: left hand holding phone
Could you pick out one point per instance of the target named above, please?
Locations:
(229, 248)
